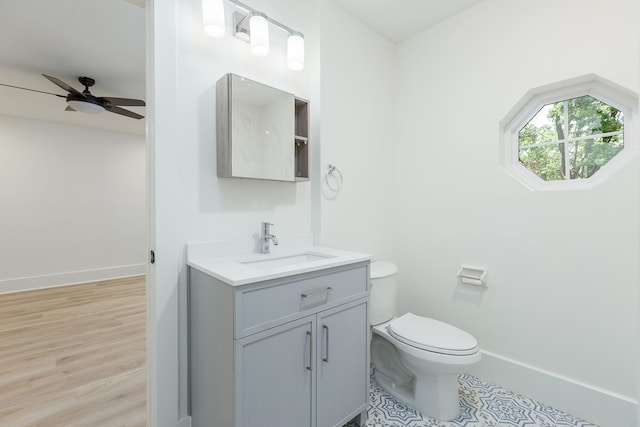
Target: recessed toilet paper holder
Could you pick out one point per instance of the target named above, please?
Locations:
(473, 275)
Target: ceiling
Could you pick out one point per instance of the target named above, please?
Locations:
(105, 40)
(401, 19)
(101, 39)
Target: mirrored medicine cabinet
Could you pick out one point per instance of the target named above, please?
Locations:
(262, 132)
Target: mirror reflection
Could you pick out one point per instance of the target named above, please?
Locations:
(261, 129)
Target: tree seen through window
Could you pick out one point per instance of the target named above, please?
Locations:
(571, 139)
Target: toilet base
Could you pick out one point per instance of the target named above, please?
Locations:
(435, 396)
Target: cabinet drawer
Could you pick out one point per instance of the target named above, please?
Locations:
(265, 305)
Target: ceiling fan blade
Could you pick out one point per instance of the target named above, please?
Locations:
(32, 90)
(125, 101)
(124, 112)
(63, 85)
(69, 109)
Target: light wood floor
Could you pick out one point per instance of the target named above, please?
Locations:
(74, 355)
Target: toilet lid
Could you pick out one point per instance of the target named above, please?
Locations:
(432, 335)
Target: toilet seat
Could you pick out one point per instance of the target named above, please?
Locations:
(432, 335)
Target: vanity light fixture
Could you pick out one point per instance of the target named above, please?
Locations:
(252, 26)
(295, 51)
(213, 17)
(259, 33)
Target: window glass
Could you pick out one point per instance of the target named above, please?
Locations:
(571, 139)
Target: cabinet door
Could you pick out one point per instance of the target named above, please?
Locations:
(343, 362)
(275, 376)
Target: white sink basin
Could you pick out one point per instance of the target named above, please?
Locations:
(286, 260)
(236, 263)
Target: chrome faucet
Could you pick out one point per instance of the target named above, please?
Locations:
(265, 237)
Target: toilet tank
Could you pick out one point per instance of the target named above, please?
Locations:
(383, 276)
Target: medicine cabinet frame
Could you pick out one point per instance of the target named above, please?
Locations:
(262, 132)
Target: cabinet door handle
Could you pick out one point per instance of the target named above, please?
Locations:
(313, 294)
(325, 328)
(310, 335)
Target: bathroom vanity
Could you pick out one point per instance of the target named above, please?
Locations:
(279, 339)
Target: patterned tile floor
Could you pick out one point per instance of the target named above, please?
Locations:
(483, 405)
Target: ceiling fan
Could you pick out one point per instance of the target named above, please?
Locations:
(86, 102)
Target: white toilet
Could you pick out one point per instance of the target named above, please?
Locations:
(416, 359)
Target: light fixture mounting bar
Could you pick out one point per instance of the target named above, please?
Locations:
(241, 26)
(275, 23)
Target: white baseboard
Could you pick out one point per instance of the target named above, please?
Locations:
(593, 404)
(69, 278)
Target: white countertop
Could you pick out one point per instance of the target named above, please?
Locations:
(237, 263)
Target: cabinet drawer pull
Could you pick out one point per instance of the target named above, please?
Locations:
(313, 294)
(325, 328)
(310, 335)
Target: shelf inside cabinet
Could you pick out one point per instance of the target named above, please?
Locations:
(301, 140)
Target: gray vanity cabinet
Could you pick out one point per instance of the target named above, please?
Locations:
(271, 390)
(343, 372)
(290, 352)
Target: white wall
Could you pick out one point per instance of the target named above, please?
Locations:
(190, 202)
(562, 300)
(193, 204)
(73, 204)
(471, 67)
(358, 122)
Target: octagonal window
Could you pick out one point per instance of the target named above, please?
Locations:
(571, 139)
(569, 135)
